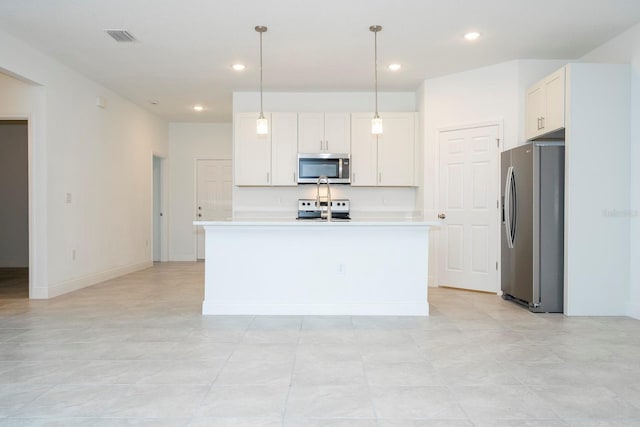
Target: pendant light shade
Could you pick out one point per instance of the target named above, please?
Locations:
(262, 125)
(376, 122)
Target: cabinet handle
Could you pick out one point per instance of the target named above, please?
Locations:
(379, 177)
(294, 177)
(326, 145)
(542, 122)
(538, 123)
(267, 177)
(353, 178)
(321, 146)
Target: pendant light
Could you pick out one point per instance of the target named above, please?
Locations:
(262, 126)
(376, 122)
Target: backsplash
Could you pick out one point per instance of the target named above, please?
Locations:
(365, 202)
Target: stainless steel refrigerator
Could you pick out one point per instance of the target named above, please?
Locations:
(532, 250)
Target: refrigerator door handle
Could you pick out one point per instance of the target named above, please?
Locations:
(513, 209)
(507, 207)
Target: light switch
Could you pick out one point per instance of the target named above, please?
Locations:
(68, 197)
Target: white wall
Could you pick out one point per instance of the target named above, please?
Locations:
(489, 94)
(626, 49)
(187, 143)
(14, 192)
(282, 201)
(596, 188)
(101, 157)
(282, 102)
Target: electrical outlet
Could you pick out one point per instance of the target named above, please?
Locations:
(68, 198)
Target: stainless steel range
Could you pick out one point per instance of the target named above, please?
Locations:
(309, 209)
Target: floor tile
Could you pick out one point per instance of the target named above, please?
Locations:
(329, 401)
(586, 402)
(111, 355)
(244, 401)
(496, 402)
(236, 422)
(433, 402)
(15, 396)
(333, 422)
(73, 401)
(158, 401)
(328, 373)
(401, 374)
(255, 372)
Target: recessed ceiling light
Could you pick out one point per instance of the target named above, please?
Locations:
(394, 67)
(473, 35)
(238, 67)
(198, 107)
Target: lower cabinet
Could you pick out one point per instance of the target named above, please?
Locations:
(265, 160)
(385, 160)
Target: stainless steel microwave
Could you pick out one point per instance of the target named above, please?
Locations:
(336, 167)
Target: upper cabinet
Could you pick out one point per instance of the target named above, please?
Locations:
(265, 160)
(545, 105)
(324, 132)
(385, 160)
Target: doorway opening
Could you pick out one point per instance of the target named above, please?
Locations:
(158, 223)
(14, 209)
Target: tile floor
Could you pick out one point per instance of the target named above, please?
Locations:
(136, 351)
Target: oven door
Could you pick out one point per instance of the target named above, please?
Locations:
(333, 166)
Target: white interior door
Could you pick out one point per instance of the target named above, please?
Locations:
(213, 195)
(469, 208)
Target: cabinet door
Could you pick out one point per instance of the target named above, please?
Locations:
(284, 148)
(251, 152)
(396, 150)
(311, 133)
(554, 103)
(534, 111)
(337, 132)
(364, 151)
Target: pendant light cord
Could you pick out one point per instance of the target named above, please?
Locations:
(375, 65)
(261, 111)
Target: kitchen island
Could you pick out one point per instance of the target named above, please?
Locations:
(289, 267)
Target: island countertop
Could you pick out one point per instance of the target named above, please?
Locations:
(288, 222)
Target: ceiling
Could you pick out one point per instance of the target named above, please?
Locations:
(186, 47)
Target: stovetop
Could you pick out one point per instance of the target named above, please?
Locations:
(307, 209)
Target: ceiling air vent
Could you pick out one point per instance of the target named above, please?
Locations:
(121, 36)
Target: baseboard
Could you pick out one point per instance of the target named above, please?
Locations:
(183, 258)
(85, 281)
(634, 311)
(351, 309)
(431, 282)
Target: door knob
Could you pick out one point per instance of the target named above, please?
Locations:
(442, 216)
(199, 215)
(199, 207)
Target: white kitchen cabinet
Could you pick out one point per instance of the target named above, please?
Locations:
(324, 132)
(385, 160)
(265, 160)
(545, 106)
(284, 149)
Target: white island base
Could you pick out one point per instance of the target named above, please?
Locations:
(314, 268)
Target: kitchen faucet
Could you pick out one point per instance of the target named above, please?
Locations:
(324, 180)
